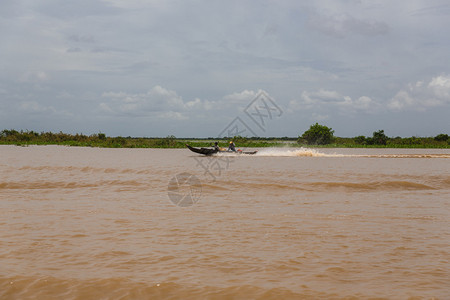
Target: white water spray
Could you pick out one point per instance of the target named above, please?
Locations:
(302, 152)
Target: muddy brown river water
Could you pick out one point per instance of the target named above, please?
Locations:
(90, 223)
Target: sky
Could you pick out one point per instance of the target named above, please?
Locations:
(199, 68)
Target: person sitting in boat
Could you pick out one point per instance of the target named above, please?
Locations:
(232, 147)
(216, 146)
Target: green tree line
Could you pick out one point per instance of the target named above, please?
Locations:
(316, 135)
(322, 135)
(95, 140)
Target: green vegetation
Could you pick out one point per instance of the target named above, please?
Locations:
(442, 137)
(322, 136)
(378, 138)
(317, 135)
(397, 142)
(23, 138)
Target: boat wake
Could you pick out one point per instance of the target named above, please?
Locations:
(404, 156)
(302, 152)
(306, 152)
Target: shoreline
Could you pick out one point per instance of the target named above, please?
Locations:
(26, 138)
(245, 145)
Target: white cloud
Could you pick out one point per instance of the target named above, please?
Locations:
(313, 99)
(160, 100)
(441, 87)
(326, 99)
(420, 96)
(362, 103)
(157, 100)
(243, 97)
(194, 103)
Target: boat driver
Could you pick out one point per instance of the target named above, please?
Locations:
(232, 147)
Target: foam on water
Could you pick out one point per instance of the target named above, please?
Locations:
(302, 152)
(308, 152)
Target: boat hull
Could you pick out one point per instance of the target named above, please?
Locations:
(204, 151)
(211, 151)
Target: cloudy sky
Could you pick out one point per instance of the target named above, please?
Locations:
(189, 68)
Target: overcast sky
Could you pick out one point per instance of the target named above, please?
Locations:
(189, 68)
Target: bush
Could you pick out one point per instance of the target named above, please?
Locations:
(441, 137)
(167, 142)
(237, 139)
(318, 135)
(8, 133)
(118, 142)
(361, 139)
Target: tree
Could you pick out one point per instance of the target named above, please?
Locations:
(101, 136)
(379, 138)
(441, 137)
(318, 135)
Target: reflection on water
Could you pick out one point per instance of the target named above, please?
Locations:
(80, 223)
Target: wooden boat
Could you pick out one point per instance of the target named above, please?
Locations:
(211, 151)
(204, 151)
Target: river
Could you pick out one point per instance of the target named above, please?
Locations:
(90, 223)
